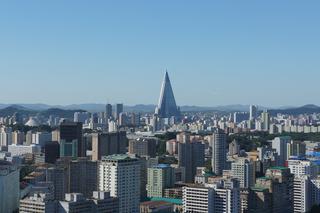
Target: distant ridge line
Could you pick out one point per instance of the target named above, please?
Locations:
(149, 108)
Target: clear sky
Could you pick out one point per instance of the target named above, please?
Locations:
(264, 52)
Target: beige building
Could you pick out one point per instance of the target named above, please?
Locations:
(143, 147)
(104, 144)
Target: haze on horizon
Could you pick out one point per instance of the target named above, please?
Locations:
(216, 53)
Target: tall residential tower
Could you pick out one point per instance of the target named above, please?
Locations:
(219, 152)
(120, 175)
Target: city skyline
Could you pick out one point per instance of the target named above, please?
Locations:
(159, 106)
(222, 53)
(165, 85)
(166, 97)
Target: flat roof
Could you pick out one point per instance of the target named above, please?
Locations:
(155, 203)
(264, 178)
(259, 189)
(117, 157)
(169, 200)
(279, 167)
(161, 166)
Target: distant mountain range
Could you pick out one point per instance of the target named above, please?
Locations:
(306, 109)
(56, 112)
(91, 107)
(68, 110)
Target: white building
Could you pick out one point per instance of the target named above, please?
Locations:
(9, 187)
(112, 126)
(18, 150)
(244, 171)
(120, 174)
(302, 196)
(220, 197)
(258, 125)
(5, 136)
(302, 167)
(305, 189)
(39, 202)
(198, 199)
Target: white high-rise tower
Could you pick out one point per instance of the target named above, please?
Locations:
(120, 175)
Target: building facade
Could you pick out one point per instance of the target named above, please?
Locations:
(104, 144)
(218, 152)
(244, 171)
(38, 203)
(159, 178)
(190, 156)
(143, 147)
(71, 143)
(120, 175)
(9, 187)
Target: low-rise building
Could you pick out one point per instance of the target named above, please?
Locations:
(38, 203)
(18, 150)
(156, 206)
(104, 203)
(75, 202)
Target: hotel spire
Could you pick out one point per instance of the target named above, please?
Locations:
(167, 105)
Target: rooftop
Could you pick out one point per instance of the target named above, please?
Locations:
(259, 189)
(161, 166)
(279, 168)
(117, 157)
(169, 200)
(264, 178)
(283, 137)
(155, 204)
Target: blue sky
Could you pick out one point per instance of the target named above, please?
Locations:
(216, 52)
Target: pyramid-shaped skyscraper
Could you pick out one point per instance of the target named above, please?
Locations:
(167, 107)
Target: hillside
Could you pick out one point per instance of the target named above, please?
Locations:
(56, 112)
(306, 109)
